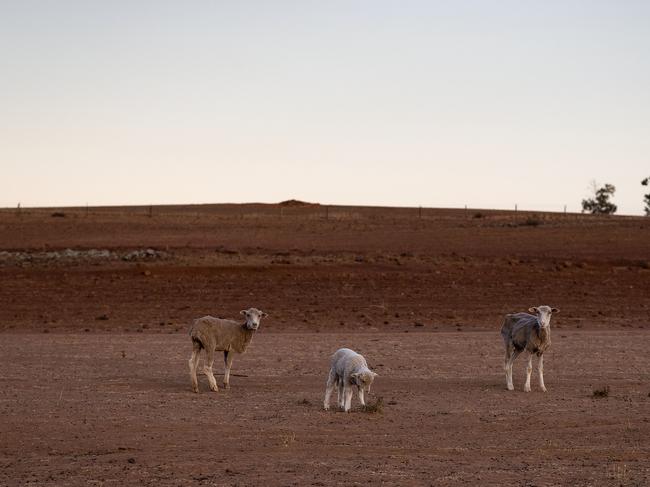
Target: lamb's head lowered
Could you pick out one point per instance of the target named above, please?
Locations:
(363, 379)
(543, 314)
(253, 317)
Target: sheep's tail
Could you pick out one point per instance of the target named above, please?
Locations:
(195, 339)
(506, 327)
(198, 342)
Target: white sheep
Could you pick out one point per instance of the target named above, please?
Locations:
(348, 369)
(213, 334)
(532, 333)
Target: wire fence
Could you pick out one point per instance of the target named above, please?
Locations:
(255, 211)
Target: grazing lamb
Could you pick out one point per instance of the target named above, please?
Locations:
(213, 334)
(348, 369)
(532, 333)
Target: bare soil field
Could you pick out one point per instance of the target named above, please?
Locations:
(95, 305)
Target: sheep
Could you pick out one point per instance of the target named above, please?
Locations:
(213, 334)
(529, 332)
(348, 368)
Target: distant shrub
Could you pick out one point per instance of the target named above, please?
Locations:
(478, 215)
(604, 392)
(531, 221)
(58, 214)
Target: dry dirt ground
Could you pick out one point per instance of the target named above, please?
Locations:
(94, 387)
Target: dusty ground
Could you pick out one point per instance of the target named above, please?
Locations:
(116, 410)
(93, 346)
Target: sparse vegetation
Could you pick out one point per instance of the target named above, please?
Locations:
(456, 271)
(632, 263)
(287, 439)
(375, 407)
(600, 204)
(603, 392)
(531, 221)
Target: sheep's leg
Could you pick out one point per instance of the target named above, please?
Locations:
(194, 364)
(227, 358)
(511, 355)
(207, 369)
(340, 393)
(540, 369)
(529, 370)
(362, 398)
(348, 398)
(331, 383)
(507, 367)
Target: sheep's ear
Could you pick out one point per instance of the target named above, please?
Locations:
(243, 312)
(532, 310)
(374, 374)
(264, 315)
(555, 310)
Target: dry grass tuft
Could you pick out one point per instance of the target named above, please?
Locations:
(375, 407)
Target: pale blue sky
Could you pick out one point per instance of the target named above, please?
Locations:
(485, 103)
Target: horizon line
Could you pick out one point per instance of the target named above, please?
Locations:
(307, 204)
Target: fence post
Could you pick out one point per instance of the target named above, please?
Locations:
(516, 213)
(150, 211)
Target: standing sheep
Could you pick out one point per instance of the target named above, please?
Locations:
(348, 369)
(532, 333)
(213, 334)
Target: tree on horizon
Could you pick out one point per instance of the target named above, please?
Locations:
(600, 204)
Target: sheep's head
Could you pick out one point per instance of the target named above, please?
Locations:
(363, 379)
(544, 314)
(253, 317)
